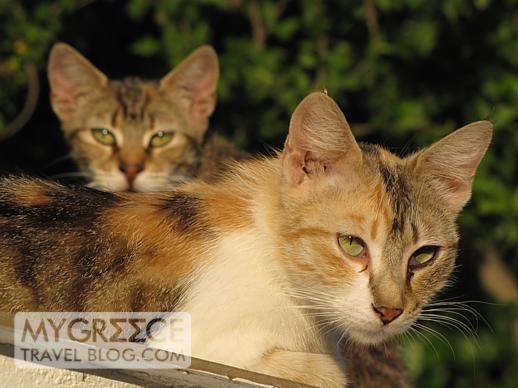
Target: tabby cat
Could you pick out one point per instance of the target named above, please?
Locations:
(275, 262)
(138, 135)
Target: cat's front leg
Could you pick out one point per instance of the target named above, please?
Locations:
(321, 370)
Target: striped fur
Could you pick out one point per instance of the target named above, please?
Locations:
(134, 110)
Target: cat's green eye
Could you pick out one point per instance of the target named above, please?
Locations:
(104, 136)
(423, 256)
(353, 246)
(160, 139)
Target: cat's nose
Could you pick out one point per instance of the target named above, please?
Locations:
(131, 170)
(387, 314)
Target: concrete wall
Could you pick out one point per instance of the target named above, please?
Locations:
(12, 377)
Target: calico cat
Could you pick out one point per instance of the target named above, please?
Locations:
(98, 116)
(139, 135)
(275, 262)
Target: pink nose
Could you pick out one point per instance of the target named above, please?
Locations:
(131, 170)
(387, 314)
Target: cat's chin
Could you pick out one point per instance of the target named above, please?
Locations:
(110, 183)
(376, 336)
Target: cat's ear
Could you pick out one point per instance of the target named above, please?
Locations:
(71, 77)
(320, 142)
(450, 164)
(195, 80)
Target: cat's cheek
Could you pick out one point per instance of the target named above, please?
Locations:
(360, 322)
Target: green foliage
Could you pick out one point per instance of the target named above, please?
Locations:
(404, 71)
(27, 33)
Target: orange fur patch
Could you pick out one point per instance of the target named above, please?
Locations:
(387, 214)
(32, 197)
(176, 254)
(226, 211)
(336, 271)
(358, 218)
(374, 228)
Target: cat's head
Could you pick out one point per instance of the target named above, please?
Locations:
(370, 238)
(133, 134)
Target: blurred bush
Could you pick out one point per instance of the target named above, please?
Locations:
(404, 71)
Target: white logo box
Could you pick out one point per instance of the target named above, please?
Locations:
(103, 340)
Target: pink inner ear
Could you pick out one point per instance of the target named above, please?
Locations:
(455, 191)
(65, 104)
(456, 186)
(202, 107)
(203, 98)
(313, 164)
(63, 96)
(293, 162)
(62, 88)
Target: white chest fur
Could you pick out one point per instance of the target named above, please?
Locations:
(239, 308)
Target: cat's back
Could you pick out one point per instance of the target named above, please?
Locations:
(79, 249)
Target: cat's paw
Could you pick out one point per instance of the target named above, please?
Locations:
(320, 370)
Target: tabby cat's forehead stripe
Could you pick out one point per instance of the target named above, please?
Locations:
(133, 99)
(397, 188)
(115, 113)
(151, 121)
(145, 104)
